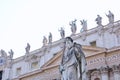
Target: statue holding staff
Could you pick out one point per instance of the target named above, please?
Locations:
(73, 64)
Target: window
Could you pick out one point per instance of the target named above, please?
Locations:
(93, 43)
(18, 71)
(97, 79)
(34, 65)
(1, 75)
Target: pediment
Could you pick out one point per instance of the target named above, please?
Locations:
(55, 60)
(88, 50)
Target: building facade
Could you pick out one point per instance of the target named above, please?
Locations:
(101, 46)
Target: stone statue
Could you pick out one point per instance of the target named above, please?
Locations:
(73, 26)
(99, 20)
(110, 17)
(44, 41)
(62, 32)
(3, 53)
(84, 25)
(50, 37)
(11, 53)
(73, 64)
(27, 48)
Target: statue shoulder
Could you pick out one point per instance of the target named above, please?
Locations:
(77, 45)
(79, 48)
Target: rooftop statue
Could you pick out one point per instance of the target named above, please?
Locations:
(50, 37)
(99, 20)
(110, 17)
(44, 41)
(84, 25)
(62, 32)
(73, 26)
(27, 48)
(73, 64)
(11, 53)
(3, 53)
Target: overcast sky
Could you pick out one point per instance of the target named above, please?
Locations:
(23, 21)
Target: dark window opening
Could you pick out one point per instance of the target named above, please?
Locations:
(93, 43)
(1, 75)
(97, 79)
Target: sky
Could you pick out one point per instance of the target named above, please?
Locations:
(27, 21)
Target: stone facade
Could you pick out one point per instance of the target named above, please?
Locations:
(101, 46)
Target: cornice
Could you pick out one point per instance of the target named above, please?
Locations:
(53, 59)
(37, 71)
(113, 49)
(45, 67)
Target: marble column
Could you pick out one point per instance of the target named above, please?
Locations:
(115, 69)
(104, 73)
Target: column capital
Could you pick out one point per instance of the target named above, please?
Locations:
(115, 68)
(104, 73)
(103, 70)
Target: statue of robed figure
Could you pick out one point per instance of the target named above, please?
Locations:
(73, 64)
(73, 26)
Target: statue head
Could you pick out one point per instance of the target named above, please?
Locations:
(69, 38)
(69, 42)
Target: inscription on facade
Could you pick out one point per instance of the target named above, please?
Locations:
(101, 59)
